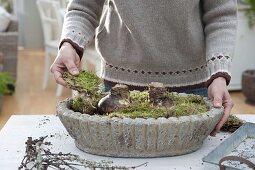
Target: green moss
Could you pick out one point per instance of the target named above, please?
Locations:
(85, 82)
(140, 111)
(84, 104)
(78, 105)
(190, 98)
(88, 84)
(141, 108)
(139, 97)
(188, 108)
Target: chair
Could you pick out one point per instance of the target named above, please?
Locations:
(52, 21)
(52, 25)
(9, 48)
(63, 3)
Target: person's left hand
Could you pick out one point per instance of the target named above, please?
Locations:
(218, 92)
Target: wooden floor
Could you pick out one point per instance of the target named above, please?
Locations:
(30, 99)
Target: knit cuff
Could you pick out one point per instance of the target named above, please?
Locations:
(219, 66)
(219, 74)
(77, 48)
(77, 40)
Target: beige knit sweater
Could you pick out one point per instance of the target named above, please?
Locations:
(177, 42)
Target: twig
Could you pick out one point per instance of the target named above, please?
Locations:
(37, 157)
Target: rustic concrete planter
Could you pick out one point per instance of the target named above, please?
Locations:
(138, 137)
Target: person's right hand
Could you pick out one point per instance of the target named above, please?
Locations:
(67, 60)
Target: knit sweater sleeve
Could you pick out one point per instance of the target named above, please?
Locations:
(220, 21)
(80, 22)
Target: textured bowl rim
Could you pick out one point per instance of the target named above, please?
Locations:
(212, 110)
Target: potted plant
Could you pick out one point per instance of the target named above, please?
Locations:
(7, 4)
(248, 85)
(249, 11)
(125, 123)
(6, 82)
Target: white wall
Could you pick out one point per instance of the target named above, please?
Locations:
(245, 51)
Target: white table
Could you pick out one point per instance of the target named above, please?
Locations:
(14, 134)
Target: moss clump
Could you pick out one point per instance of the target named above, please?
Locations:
(139, 97)
(188, 108)
(85, 82)
(88, 86)
(232, 124)
(190, 98)
(84, 104)
(145, 111)
(141, 108)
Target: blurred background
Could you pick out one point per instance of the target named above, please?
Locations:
(29, 36)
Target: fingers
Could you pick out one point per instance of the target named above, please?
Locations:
(217, 91)
(67, 59)
(220, 123)
(228, 105)
(217, 100)
(58, 78)
(71, 66)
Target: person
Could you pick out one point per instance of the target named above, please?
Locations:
(186, 45)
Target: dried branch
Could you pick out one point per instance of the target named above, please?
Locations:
(39, 158)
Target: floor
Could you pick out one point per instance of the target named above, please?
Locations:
(30, 99)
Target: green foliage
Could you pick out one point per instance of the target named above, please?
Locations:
(7, 4)
(5, 81)
(250, 13)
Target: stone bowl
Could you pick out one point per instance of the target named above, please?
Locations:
(126, 137)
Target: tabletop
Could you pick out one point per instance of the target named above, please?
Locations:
(19, 127)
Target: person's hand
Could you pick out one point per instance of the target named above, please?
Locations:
(217, 91)
(67, 59)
